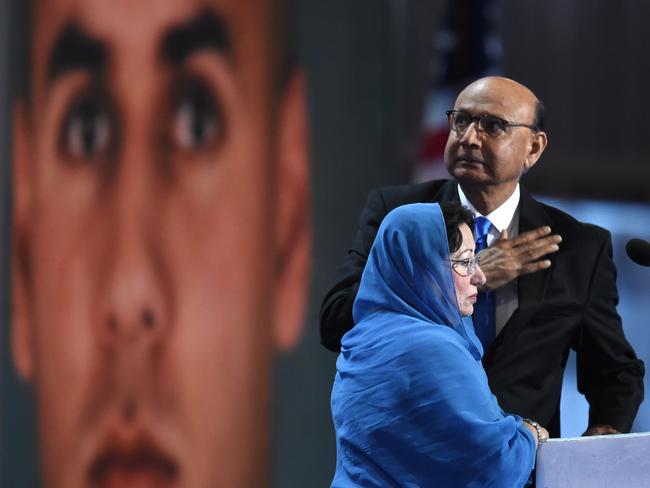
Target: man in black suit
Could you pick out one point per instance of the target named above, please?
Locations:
(545, 299)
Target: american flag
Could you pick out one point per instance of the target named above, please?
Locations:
(467, 47)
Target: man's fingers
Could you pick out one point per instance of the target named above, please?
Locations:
(536, 266)
(507, 259)
(531, 235)
(537, 249)
(503, 236)
(540, 247)
(534, 254)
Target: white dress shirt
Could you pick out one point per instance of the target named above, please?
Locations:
(506, 216)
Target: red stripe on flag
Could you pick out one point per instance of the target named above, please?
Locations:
(433, 144)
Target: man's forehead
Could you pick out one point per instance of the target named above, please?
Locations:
(497, 98)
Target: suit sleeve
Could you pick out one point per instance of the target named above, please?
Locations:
(336, 309)
(609, 373)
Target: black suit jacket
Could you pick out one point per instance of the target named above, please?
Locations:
(570, 305)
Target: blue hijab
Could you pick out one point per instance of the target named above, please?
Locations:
(411, 403)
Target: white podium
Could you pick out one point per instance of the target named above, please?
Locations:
(608, 461)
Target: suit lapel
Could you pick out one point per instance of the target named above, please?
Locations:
(447, 193)
(531, 287)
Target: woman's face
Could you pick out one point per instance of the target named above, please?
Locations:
(462, 260)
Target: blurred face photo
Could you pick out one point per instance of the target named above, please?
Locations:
(161, 239)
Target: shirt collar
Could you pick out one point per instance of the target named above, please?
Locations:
(502, 216)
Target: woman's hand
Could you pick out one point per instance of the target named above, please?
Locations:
(540, 435)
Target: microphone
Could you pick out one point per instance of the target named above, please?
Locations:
(638, 251)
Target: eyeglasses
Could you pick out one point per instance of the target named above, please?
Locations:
(493, 126)
(465, 267)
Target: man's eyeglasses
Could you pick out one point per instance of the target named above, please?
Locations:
(493, 126)
(465, 267)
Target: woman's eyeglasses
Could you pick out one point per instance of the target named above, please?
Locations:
(465, 267)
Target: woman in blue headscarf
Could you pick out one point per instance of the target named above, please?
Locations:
(411, 402)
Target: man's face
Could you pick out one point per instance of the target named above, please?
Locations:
(474, 158)
(150, 244)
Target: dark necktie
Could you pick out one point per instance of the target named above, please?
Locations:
(484, 308)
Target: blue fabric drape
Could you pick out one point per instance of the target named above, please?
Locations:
(411, 403)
